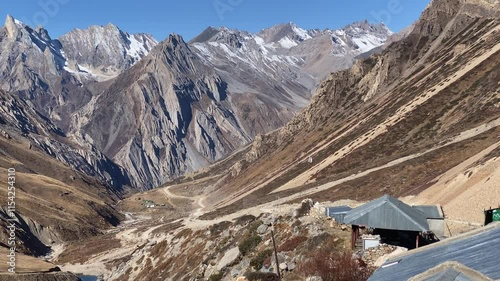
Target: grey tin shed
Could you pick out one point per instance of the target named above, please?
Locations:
(388, 212)
(338, 213)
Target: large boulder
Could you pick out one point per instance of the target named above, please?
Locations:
(262, 229)
(229, 258)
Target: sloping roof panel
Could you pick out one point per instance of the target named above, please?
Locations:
(339, 209)
(449, 275)
(338, 213)
(477, 250)
(388, 213)
(431, 212)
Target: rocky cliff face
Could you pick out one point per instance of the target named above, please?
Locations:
(187, 105)
(146, 117)
(18, 117)
(63, 192)
(163, 111)
(32, 64)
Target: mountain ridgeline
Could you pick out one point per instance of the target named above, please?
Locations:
(232, 124)
(396, 122)
(137, 113)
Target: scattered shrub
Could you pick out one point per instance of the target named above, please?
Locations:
(258, 261)
(292, 244)
(217, 229)
(297, 223)
(245, 219)
(249, 244)
(331, 266)
(224, 241)
(305, 208)
(216, 276)
(159, 249)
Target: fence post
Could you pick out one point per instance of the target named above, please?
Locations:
(276, 255)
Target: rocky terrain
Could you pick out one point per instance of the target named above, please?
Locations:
(54, 203)
(182, 106)
(98, 113)
(223, 249)
(397, 122)
(417, 118)
(190, 104)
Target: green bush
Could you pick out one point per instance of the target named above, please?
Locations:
(258, 261)
(216, 276)
(249, 244)
(334, 266)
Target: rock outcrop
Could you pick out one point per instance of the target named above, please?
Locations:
(162, 110)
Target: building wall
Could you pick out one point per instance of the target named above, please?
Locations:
(436, 226)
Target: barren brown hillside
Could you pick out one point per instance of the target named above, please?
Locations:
(420, 120)
(394, 123)
(54, 203)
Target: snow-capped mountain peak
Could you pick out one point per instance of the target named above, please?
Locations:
(105, 50)
(35, 45)
(285, 35)
(362, 36)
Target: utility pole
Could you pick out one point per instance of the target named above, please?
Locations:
(276, 255)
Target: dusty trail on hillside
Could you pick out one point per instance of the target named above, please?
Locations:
(96, 265)
(379, 130)
(196, 224)
(130, 235)
(473, 182)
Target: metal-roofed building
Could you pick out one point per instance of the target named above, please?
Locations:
(435, 219)
(430, 212)
(388, 212)
(338, 213)
(396, 222)
(476, 250)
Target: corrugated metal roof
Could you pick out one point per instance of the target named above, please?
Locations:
(449, 275)
(338, 210)
(338, 213)
(431, 212)
(388, 213)
(451, 271)
(477, 250)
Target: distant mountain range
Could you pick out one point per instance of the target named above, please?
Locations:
(135, 112)
(233, 124)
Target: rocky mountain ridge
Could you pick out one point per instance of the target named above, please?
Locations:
(202, 100)
(393, 115)
(60, 195)
(104, 51)
(130, 113)
(217, 107)
(419, 119)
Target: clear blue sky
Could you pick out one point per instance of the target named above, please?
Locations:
(189, 17)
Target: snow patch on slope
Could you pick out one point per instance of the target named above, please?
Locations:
(302, 33)
(287, 43)
(368, 42)
(138, 49)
